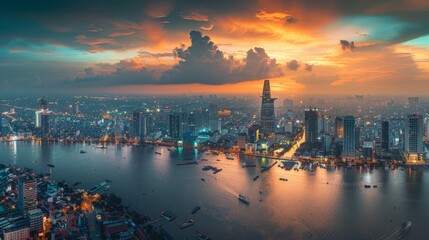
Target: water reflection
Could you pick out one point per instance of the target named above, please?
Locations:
(331, 204)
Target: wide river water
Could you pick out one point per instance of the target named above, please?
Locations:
(304, 207)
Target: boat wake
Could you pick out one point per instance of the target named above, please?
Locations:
(397, 233)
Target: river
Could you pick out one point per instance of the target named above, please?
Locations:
(304, 207)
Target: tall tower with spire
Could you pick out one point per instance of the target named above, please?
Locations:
(267, 110)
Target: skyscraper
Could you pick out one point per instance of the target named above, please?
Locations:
(267, 110)
(253, 133)
(38, 115)
(326, 124)
(414, 138)
(191, 123)
(311, 126)
(214, 122)
(349, 139)
(339, 127)
(43, 103)
(176, 128)
(139, 125)
(45, 123)
(385, 135)
(27, 194)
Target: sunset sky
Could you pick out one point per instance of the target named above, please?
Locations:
(202, 46)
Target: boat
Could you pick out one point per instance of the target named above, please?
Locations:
(204, 159)
(172, 149)
(245, 165)
(243, 199)
(98, 187)
(82, 151)
(186, 163)
(158, 153)
(207, 167)
(195, 210)
(374, 186)
(218, 160)
(201, 236)
(255, 178)
(367, 186)
(202, 179)
(230, 158)
(50, 165)
(167, 215)
(101, 146)
(283, 179)
(186, 224)
(107, 188)
(217, 170)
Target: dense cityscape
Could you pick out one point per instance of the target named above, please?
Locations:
(387, 133)
(227, 119)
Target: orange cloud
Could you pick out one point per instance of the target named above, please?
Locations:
(273, 16)
(196, 16)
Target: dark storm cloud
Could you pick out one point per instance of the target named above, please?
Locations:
(308, 67)
(89, 71)
(60, 22)
(291, 20)
(292, 65)
(346, 45)
(82, 24)
(203, 62)
(40, 27)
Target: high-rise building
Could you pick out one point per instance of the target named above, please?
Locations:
(38, 119)
(74, 108)
(267, 110)
(214, 122)
(254, 132)
(149, 123)
(192, 123)
(357, 137)
(368, 150)
(311, 126)
(176, 125)
(45, 123)
(16, 232)
(339, 127)
(139, 125)
(43, 103)
(326, 124)
(27, 194)
(349, 138)
(414, 149)
(385, 135)
(36, 220)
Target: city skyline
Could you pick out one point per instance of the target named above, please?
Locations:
(192, 47)
(171, 155)
(203, 119)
